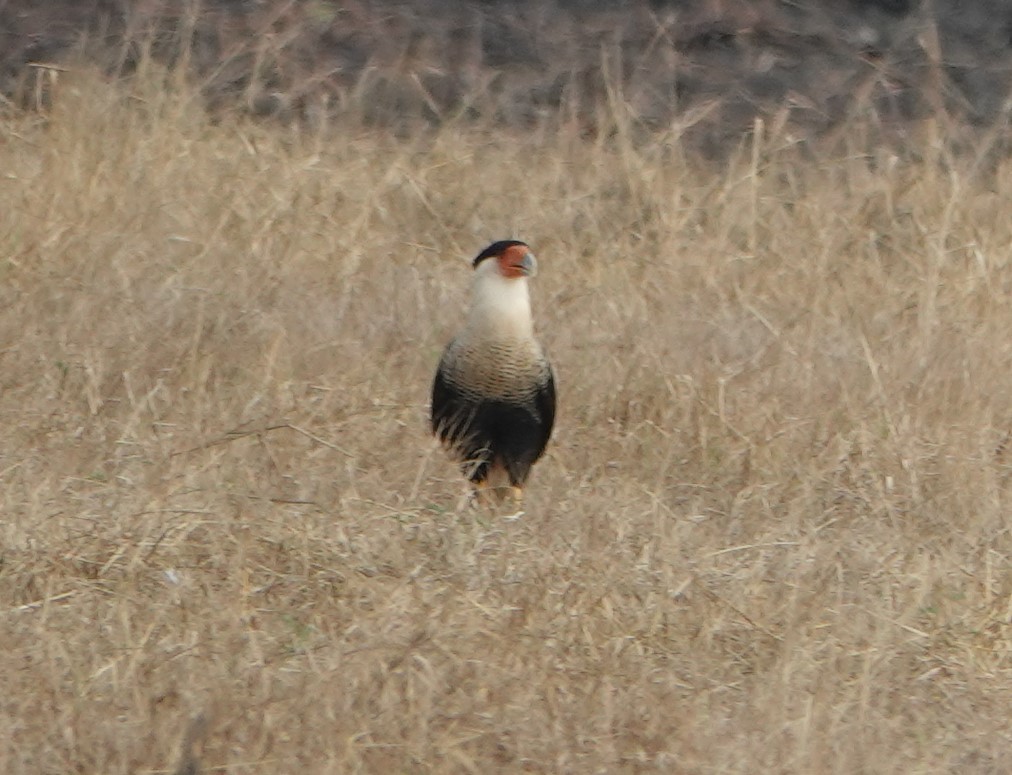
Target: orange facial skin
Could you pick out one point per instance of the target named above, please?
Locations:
(517, 261)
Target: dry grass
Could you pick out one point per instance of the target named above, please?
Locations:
(772, 533)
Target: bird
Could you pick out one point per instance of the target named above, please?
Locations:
(493, 395)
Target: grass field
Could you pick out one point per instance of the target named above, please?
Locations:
(771, 534)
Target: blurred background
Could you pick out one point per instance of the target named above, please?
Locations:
(708, 68)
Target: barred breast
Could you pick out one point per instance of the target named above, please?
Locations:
(503, 370)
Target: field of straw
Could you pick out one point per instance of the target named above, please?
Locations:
(771, 534)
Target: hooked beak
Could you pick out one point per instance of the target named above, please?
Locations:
(528, 265)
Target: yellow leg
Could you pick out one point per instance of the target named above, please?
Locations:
(494, 497)
(477, 495)
(516, 497)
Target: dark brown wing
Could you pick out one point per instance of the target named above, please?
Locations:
(457, 422)
(545, 403)
(448, 405)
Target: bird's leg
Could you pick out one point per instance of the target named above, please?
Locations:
(515, 496)
(482, 495)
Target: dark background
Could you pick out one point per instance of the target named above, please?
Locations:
(705, 68)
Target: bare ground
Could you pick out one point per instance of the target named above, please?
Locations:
(771, 535)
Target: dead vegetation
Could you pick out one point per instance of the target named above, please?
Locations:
(771, 535)
(709, 66)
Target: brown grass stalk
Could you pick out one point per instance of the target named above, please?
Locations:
(771, 534)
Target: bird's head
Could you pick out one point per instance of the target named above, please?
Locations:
(511, 259)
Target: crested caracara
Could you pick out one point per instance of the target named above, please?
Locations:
(493, 398)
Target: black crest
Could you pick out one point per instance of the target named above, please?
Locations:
(496, 249)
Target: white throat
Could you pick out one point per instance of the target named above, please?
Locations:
(500, 307)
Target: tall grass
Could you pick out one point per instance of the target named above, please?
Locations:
(771, 534)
